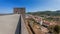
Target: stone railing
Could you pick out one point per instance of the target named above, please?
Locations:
(23, 27)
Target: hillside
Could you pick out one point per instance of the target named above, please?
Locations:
(48, 13)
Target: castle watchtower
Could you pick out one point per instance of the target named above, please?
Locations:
(19, 11)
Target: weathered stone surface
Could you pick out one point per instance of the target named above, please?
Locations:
(8, 23)
(12, 24)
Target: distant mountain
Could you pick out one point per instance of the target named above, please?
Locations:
(48, 13)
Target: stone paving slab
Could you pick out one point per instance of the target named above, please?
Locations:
(8, 23)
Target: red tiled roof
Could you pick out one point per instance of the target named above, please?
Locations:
(46, 22)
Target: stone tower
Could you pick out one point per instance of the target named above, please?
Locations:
(19, 11)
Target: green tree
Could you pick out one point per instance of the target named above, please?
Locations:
(56, 29)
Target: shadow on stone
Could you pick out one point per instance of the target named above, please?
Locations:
(18, 29)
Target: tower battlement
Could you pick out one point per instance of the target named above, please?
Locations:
(20, 11)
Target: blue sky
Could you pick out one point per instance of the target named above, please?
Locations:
(6, 6)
